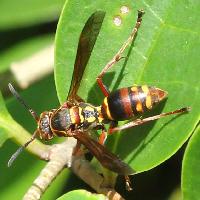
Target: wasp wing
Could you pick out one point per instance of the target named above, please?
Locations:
(105, 157)
(86, 43)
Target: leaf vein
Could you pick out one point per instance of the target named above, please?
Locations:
(182, 29)
(153, 12)
(149, 52)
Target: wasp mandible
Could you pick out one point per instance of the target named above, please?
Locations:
(75, 118)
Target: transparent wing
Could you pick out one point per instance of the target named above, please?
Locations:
(86, 43)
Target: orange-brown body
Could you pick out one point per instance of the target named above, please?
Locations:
(121, 104)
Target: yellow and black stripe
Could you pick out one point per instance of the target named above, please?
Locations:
(128, 102)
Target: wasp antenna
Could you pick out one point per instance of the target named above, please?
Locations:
(19, 98)
(14, 156)
(19, 150)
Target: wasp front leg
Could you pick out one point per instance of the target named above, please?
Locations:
(103, 136)
(118, 55)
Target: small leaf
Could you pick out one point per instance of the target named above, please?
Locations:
(190, 171)
(83, 195)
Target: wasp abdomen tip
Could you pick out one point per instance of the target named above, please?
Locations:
(187, 109)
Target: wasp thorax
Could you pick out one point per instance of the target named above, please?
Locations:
(44, 126)
(61, 120)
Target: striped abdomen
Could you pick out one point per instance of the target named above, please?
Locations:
(128, 102)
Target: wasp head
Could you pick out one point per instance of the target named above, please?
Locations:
(44, 128)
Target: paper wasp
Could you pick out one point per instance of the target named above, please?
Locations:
(75, 118)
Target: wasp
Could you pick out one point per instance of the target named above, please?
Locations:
(75, 118)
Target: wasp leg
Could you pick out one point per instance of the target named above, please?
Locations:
(142, 121)
(118, 55)
(103, 136)
(104, 132)
(128, 183)
(113, 124)
(77, 150)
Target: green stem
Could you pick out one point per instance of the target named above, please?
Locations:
(21, 136)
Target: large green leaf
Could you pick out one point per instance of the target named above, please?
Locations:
(190, 172)
(81, 194)
(165, 54)
(25, 13)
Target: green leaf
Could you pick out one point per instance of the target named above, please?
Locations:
(164, 55)
(82, 194)
(190, 171)
(25, 13)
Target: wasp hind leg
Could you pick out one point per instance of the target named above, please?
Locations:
(118, 55)
(148, 119)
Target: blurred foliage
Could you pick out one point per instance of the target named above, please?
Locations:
(15, 14)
